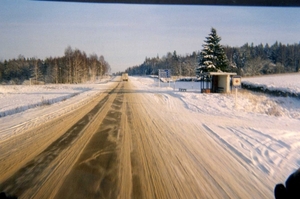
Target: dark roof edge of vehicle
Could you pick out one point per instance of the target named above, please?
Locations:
(272, 3)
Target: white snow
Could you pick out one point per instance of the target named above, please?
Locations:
(261, 131)
(282, 82)
(23, 106)
(16, 99)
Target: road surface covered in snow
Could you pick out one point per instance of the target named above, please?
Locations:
(261, 130)
(150, 142)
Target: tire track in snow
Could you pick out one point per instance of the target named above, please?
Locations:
(167, 160)
(261, 145)
(95, 173)
(258, 149)
(229, 146)
(28, 176)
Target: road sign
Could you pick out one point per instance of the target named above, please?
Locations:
(164, 73)
(236, 81)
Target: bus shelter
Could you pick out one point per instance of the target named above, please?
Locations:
(215, 82)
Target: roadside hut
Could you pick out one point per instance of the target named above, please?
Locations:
(215, 82)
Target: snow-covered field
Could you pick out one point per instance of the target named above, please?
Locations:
(281, 82)
(262, 131)
(18, 98)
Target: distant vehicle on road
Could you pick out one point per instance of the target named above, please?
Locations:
(125, 76)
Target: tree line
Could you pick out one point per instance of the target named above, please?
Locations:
(179, 65)
(247, 60)
(74, 67)
(250, 60)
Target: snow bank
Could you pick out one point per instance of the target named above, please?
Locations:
(15, 99)
(18, 98)
(225, 104)
(284, 85)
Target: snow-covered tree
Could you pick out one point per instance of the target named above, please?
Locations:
(213, 57)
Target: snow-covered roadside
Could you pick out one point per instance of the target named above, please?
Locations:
(19, 98)
(286, 83)
(261, 131)
(14, 99)
(24, 107)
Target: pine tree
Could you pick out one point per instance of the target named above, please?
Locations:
(213, 57)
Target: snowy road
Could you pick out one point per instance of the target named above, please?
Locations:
(134, 142)
(146, 155)
(38, 160)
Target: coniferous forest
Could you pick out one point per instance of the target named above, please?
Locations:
(74, 67)
(247, 60)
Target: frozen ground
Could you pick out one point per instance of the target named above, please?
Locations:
(18, 98)
(23, 107)
(261, 131)
(282, 82)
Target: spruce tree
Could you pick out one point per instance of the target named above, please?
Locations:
(213, 57)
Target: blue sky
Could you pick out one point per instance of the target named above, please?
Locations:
(126, 34)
